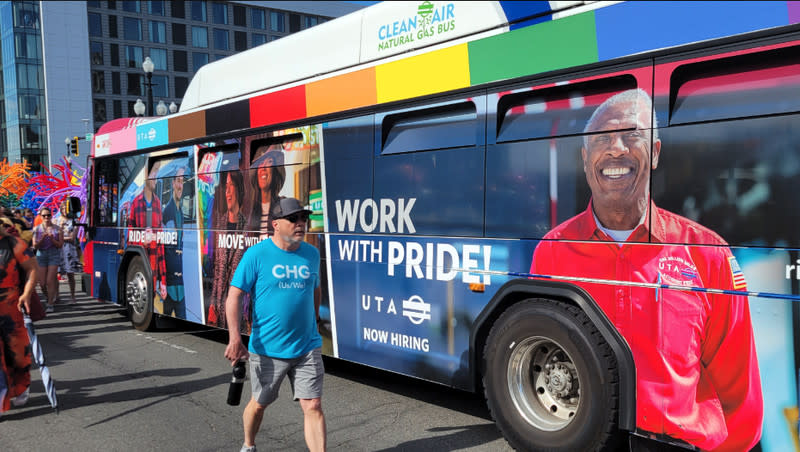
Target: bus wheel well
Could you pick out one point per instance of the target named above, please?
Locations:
(122, 271)
(545, 291)
(482, 333)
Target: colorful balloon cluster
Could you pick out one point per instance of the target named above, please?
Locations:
(21, 188)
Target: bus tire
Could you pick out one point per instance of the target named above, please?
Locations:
(551, 380)
(139, 295)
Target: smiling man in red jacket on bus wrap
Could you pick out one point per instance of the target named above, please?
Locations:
(697, 378)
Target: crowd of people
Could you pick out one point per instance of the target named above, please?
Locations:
(55, 245)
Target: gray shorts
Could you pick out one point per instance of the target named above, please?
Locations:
(305, 375)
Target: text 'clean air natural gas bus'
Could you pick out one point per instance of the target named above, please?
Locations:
(587, 210)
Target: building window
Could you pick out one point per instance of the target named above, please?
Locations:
(220, 13)
(112, 27)
(98, 82)
(30, 106)
(135, 56)
(199, 60)
(158, 32)
(99, 111)
(259, 39)
(221, 39)
(29, 76)
(135, 84)
(178, 9)
(117, 109)
(132, 28)
(179, 34)
(180, 61)
(114, 50)
(239, 41)
(95, 25)
(131, 6)
(30, 136)
(277, 21)
(27, 46)
(258, 18)
(112, 4)
(93, 4)
(239, 16)
(294, 23)
(310, 21)
(181, 83)
(200, 37)
(159, 57)
(199, 11)
(96, 52)
(160, 86)
(26, 14)
(156, 7)
(116, 84)
(274, 38)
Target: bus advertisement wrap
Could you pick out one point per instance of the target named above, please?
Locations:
(601, 248)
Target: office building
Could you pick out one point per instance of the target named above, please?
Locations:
(68, 67)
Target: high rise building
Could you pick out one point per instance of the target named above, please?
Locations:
(68, 67)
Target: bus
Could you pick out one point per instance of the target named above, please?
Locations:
(582, 210)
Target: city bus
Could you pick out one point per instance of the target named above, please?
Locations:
(581, 210)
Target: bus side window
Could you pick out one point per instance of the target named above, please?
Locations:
(432, 159)
(107, 192)
(729, 157)
(534, 166)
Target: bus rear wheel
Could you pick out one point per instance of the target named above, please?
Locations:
(551, 380)
(139, 295)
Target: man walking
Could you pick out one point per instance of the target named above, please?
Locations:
(282, 276)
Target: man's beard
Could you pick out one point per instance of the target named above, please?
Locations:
(291, 239)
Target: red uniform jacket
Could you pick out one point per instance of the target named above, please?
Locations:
(697, 376)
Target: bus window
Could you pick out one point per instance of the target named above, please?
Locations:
(536, 168)
(429, 172)
(439, 127)
(107, 192)
(756, 84)
(177, 187)
(556, 111)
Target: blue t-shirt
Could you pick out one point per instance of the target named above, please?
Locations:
(281, 285)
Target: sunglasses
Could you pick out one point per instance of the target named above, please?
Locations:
(295, 217)
(46, 215)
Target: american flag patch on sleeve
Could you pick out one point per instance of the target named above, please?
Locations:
(736, 275)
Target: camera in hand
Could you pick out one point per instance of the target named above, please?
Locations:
(237, 383)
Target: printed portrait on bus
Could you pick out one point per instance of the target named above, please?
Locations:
(228, 221)
(144, 218)
(177, 197)
(221, 196)
(687, 344)
(266, 178)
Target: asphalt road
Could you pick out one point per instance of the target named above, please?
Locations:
(123, 390)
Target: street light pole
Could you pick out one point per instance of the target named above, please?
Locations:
(148, 67)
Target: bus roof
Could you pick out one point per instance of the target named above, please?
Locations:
(378, 32)
(395, 51)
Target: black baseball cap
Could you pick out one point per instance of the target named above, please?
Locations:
(288, 206)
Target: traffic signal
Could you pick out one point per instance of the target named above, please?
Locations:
(73, 146)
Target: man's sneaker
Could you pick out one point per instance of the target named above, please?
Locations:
(49, 309)
(21, 399)
(248, 449)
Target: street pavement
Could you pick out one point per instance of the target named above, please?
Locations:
(124, 390)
